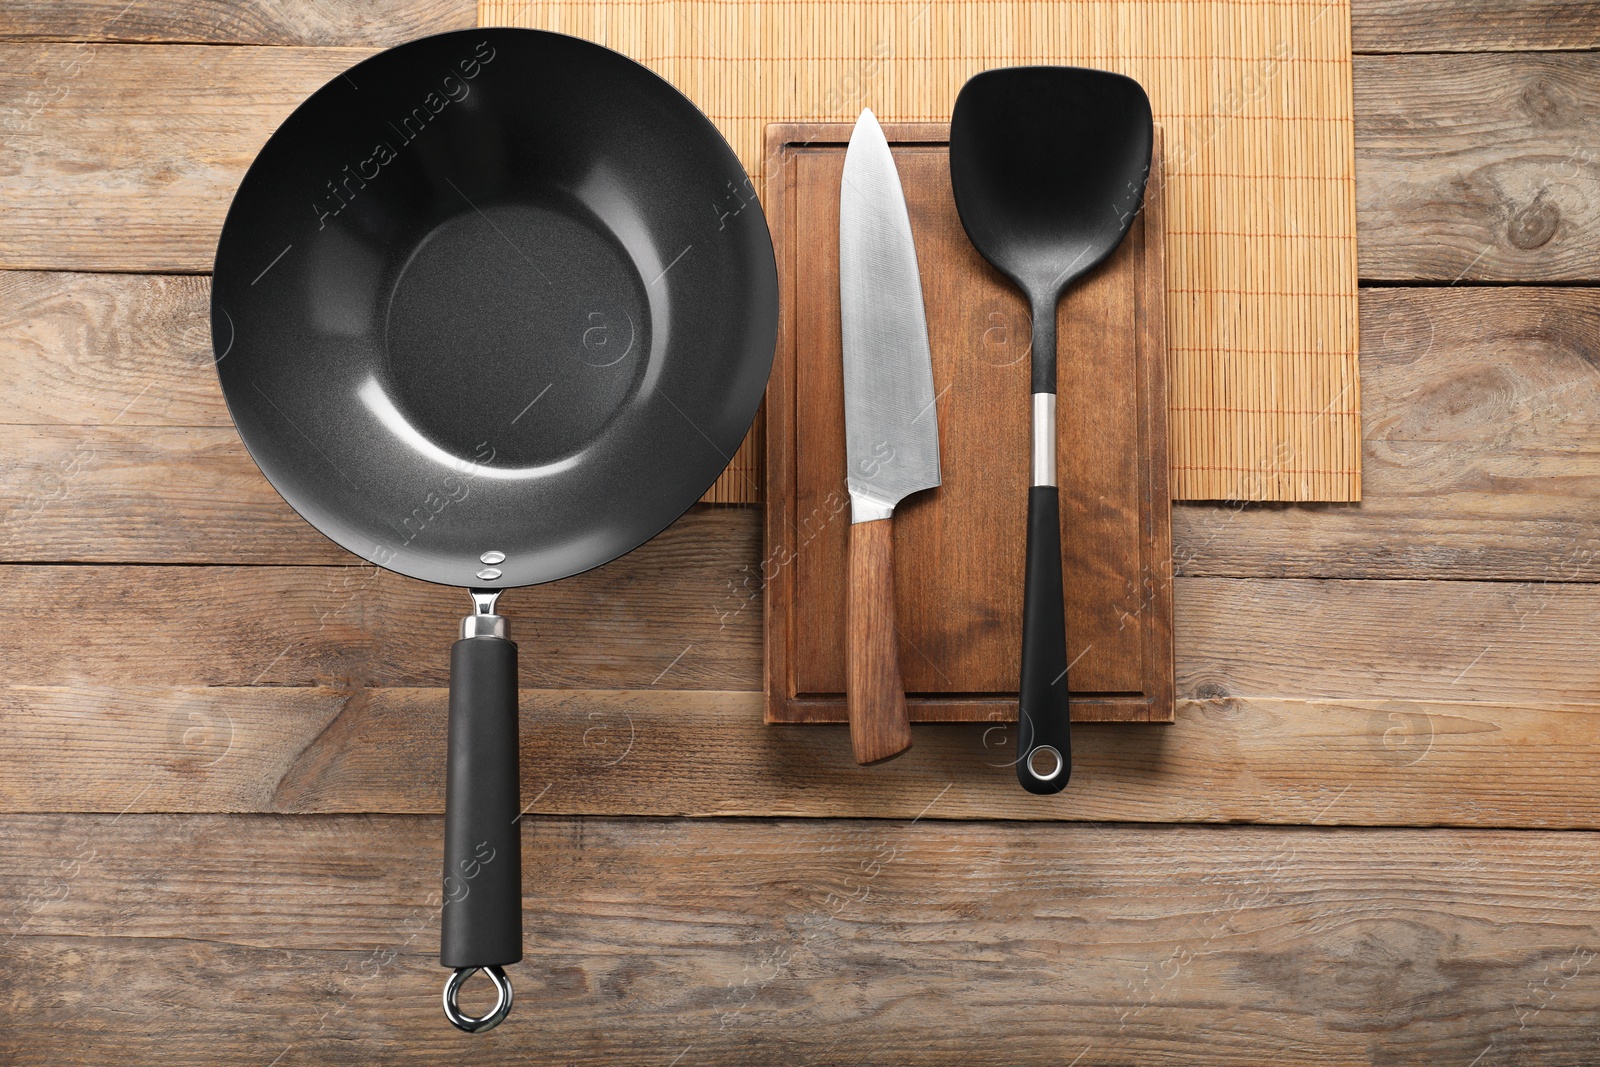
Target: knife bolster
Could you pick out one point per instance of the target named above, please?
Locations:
(864, 507)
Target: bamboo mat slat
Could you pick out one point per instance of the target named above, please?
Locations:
(1255, 96)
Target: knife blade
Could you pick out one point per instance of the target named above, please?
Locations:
(891, 426)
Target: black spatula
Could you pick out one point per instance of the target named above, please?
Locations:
(1048, 165)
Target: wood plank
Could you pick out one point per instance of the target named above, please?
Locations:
(1480, 403)
(673, 611)
(324, 22)
(110, 494)
(1379, 26)
(695, 588)
(145, 748)
(812, 941)
(1519, 502)
(125, 158)
(1481, 409)
(666, 606)
(1478, 168)
(1392, 639)
(91, 349)
(1297, 638)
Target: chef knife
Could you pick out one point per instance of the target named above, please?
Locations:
(891, 426)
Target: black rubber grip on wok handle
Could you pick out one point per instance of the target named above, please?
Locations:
(1043, 714)
(481, 921)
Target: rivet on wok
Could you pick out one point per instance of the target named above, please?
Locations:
(489, 574)
(492, 557)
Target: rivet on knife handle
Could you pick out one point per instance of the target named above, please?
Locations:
(879, 726)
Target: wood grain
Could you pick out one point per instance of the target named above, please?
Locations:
(662, 613)
(959, 547)
(121, 157)
(1428, 640)
(91, 349)
(158, 494)
(1478, 404)
(150, 748)
(1489, 163)
(875, 691)
(1473, 25)
(309, 22)
(802, 942)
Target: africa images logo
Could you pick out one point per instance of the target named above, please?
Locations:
(453, 88)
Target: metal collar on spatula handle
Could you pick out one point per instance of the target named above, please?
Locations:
(480, 925)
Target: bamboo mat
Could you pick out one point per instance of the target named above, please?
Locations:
(1255, 97)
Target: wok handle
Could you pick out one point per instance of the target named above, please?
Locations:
(481, 920)
(1044, 717)
(875, 697)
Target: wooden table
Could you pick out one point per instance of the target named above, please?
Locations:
(1370, 836)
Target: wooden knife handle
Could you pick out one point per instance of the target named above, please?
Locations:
(874, 691)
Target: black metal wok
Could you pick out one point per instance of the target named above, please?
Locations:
(490, 309)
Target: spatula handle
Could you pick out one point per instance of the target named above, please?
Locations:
(1043, 713)
(875, 694)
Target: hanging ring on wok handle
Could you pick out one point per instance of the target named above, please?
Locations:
(481, 918)
(477, 1024)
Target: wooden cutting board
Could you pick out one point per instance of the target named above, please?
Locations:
(959, 548)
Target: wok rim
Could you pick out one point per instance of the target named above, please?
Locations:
(763, 303)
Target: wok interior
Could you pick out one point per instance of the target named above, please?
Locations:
(543, 322)
(494, 292)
